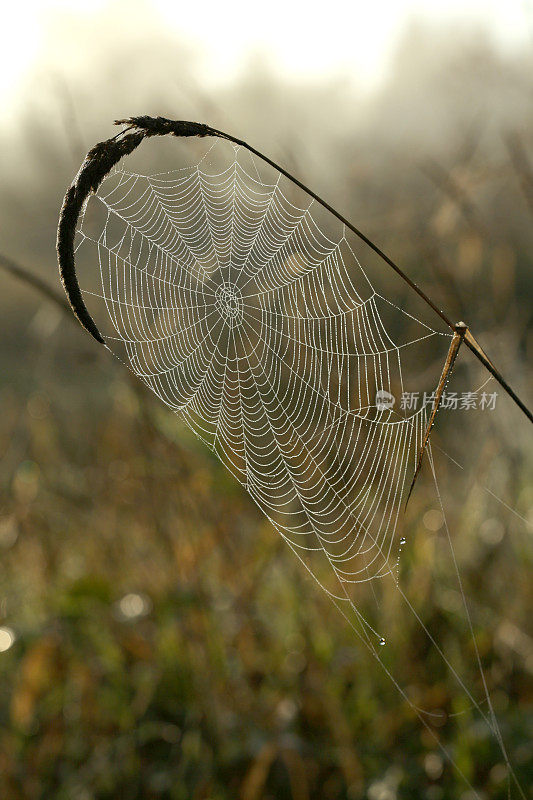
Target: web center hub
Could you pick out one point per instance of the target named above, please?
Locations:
(229, 303)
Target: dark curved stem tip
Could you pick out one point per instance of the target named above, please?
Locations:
(97, 164)
(161, 126)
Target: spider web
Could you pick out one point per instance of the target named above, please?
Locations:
(248, 312)
(265, 334)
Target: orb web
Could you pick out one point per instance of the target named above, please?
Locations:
(262, 330)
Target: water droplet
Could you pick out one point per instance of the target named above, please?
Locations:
(403, 540)
(382, 641)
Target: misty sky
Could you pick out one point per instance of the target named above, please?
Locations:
(355, 38)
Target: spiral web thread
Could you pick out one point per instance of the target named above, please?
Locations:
(253, 321)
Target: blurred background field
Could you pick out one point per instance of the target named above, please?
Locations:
(158, 639)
